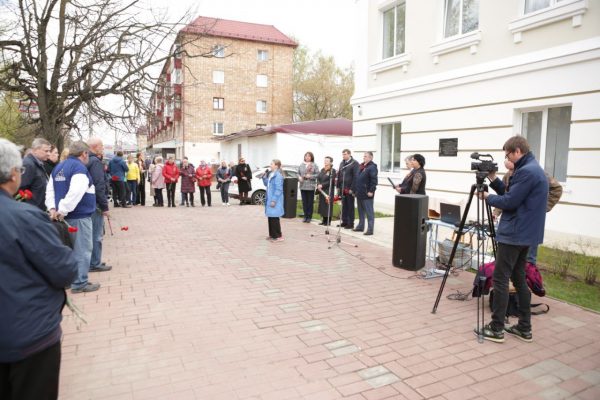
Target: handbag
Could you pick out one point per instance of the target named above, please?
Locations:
(62, 229)
(512, 309)
(218, 185)
(462, 257)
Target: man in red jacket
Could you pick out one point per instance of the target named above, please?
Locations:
(204, 176)
(171, 174)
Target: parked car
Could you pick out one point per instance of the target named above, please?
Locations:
(259, 191)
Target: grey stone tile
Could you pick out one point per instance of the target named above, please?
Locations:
(345, 350)
(592, 377)
(312, 322)
(269, 292)
(373, 372)
(291, 307)
(550, 365)
(337, 344)
(316, 328)
(259, 279)
(565, 372)
(547, 380)
(532, 372)
(383, 380)
(568, 321)
(555, 393)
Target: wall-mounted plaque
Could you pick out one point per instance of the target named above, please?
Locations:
(449, 147)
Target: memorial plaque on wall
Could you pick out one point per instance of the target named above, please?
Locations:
(449, 147)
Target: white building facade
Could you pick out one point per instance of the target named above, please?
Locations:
(475, 73)
(289, 143)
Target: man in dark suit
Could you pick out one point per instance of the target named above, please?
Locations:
(347, 173)
(365, 185)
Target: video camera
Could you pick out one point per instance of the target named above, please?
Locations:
(483, 166)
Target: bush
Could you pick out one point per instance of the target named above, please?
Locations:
(590, 272)
(564, 263)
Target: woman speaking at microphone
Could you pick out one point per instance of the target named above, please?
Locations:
(274, 202)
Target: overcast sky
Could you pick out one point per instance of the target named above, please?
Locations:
(326, 25)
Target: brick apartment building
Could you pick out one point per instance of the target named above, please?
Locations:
(225, 76)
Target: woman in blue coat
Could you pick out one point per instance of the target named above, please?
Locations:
(274, 201)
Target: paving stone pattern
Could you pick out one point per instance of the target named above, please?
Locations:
(200, 306)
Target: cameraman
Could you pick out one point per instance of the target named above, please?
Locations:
(521, 226)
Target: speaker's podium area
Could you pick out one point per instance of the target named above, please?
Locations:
(424, 237)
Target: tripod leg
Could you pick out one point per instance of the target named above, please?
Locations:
(456, 242)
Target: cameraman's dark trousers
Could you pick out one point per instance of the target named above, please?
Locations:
(510, 264)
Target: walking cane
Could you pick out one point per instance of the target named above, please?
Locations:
(109, 226)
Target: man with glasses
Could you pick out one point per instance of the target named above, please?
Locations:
(71, 196)
(34, 176)
(521, 226)
(35, 267)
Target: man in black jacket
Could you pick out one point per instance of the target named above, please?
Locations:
(365, 185)
(96, 168)
(35, 267)
(347, 174)
(35, 178)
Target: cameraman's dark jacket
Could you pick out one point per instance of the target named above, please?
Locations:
(347, 174)
(523, 206)
(34, 269)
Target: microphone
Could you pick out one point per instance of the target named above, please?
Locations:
(475, 156)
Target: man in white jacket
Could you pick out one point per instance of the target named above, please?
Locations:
(71, 195)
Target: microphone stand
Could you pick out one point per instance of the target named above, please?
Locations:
(338, 237)
(328, 199)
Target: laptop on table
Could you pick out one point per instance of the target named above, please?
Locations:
(450, 213)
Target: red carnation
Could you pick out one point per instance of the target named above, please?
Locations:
(124, 228)
(28, 194)
(72, 229)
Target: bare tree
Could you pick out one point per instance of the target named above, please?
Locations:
(83, 60)
(321, 89)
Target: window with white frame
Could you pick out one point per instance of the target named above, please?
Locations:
(262, 55)
(390, 148)
(218, 76)
(262, 80)
(217, 128)
(535, 5)
(218, 103)
(261, 106)
(259, 126)
(218, 50)
(548, 132)
(393, 30)
(460, 17)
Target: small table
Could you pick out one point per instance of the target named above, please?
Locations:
(433, 235)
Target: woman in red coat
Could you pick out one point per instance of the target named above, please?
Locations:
(203, 176)
(171, 174)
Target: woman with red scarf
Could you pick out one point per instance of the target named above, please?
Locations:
(204, 176)
(171, 174)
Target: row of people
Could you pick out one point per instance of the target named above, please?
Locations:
(353, 181)
(167, 175)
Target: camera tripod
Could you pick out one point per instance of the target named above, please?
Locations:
(484, 228)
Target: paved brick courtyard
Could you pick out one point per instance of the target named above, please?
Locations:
(200, 306)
